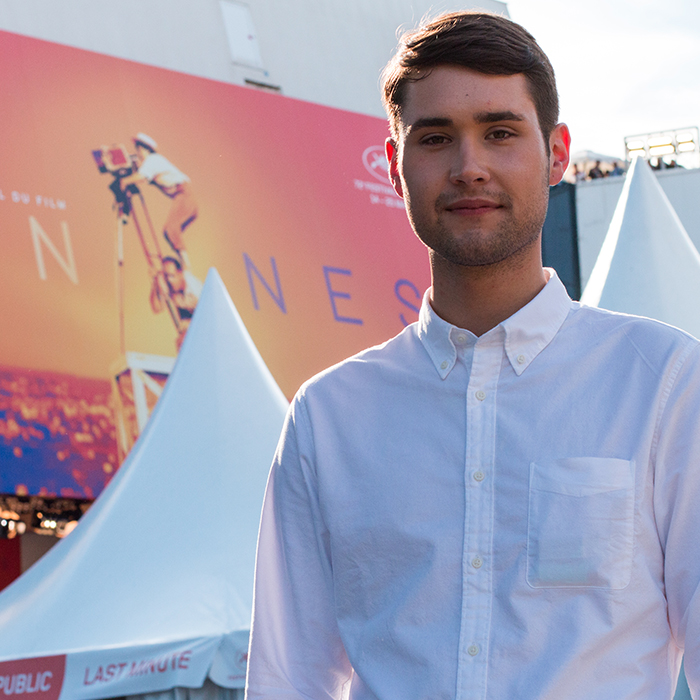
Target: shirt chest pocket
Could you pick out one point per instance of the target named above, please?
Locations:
(580, 523)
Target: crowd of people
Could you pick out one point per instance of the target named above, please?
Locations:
(661, 164)
(601, 169)
(597, 172)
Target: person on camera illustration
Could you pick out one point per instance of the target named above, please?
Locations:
(181, 288)
(172, 182)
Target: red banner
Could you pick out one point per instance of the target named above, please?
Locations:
(40, 678)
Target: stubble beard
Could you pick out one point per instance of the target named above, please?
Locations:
(480, 245)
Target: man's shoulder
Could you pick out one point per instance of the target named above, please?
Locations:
(154, 163)
(654, 340)
(397, 355)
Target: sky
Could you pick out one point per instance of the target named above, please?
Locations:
(623, 67)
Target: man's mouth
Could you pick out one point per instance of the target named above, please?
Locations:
(473, 206)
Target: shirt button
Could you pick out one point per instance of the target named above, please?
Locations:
(479, 476)
(477, 562)
(444, 364)
(461, 339)
(521, 359)
(473, 650)
(480, 395)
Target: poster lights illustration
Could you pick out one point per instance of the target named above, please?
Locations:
(104, 246)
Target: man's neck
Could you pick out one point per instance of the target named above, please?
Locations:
(479, 298)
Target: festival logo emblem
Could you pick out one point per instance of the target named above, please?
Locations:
(374, 160)
(379, 189)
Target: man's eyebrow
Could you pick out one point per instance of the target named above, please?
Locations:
(425, 122)
(503, 116)
(480, 118)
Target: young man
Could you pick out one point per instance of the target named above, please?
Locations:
(159, 171)
(182, 289)
(501, 502)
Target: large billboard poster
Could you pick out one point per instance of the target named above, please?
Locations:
(105, 243)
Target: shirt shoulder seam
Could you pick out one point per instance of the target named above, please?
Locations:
(666, 394)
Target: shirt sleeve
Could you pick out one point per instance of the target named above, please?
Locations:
(159, 170)
(152, 165)
(677, 510)
(295, 648)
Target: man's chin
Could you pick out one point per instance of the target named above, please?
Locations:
(482, 253)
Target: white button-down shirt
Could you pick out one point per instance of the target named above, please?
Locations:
(513, 516)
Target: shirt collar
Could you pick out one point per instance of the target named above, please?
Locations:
(527, 332)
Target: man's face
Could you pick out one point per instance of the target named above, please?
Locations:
(141, 154)
(174, 277)
(472, 165)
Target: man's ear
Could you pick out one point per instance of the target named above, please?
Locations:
(391, 150)
(559, 146)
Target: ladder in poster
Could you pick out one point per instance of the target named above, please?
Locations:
(145, 372)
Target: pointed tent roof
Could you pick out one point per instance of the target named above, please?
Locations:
(647, 264)
(153, 589)
(582, 157)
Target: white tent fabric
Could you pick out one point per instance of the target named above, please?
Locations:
(585, 157)
(209, 691)
(153, 589)
(647, 265)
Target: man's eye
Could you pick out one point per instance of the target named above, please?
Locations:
(434, 140)
(499, 134)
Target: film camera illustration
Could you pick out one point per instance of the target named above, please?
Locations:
(117, 161)
(114, 159)
(137, 378)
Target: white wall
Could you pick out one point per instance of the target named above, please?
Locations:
(329, 52)
(595, 204)
(596, 201)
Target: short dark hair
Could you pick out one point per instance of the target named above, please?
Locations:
(481, 41)
(143, 144)
(175, 261)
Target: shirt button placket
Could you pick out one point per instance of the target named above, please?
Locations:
(477, 585)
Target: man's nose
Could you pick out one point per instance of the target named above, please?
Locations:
(469, 164)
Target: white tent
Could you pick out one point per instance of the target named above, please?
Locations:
(647, 265)
(153, 589)
(590, 157)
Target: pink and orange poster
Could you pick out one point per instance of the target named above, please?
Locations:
(288, 200)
